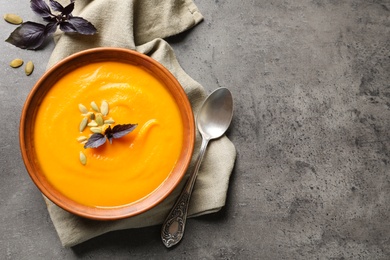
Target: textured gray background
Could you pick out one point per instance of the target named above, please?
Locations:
(311, 83)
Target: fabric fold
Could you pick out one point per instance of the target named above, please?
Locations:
(141, 25)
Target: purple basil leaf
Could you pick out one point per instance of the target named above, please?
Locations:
(50, 19)
(67, 27)
(28, 35)
(121, 130)
(68, 9)
(56, 6)
(81, 25)
(41, 8)
(108, 134)
(51, 27)
(95, 141)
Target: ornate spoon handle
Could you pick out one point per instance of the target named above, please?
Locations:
(173, 226)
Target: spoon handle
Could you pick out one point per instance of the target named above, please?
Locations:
(173, 226)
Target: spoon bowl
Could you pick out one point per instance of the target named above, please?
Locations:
(213, 120)
(215, 114)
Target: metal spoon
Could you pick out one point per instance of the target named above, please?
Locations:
(213, 120)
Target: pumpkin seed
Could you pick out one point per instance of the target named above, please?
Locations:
(104, 108)
(96, 129)
(89, 114)
(81, 139)
(95, 106)
(13, 18)
(29, 68)
(93, 123)
(99, 119)
(83, 158)
(16, 63)
(83, 109)
(83, 124)
(109, 121)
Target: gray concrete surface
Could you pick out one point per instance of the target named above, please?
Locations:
(311, 83)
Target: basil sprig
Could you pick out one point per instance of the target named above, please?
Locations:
(31, 35)
(117, 131)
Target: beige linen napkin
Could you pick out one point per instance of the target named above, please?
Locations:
(140, 25)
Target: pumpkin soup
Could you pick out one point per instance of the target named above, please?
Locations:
(121, 171)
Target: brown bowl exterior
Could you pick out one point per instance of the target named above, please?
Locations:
(27, 121)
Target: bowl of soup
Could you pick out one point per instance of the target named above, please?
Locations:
(107, 133)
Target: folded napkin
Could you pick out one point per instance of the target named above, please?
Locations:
(141, 25)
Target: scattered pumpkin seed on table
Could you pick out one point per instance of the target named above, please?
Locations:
(29, 68)
(13, 18)
(16, 63)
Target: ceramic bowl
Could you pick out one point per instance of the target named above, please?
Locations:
(65, 66)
